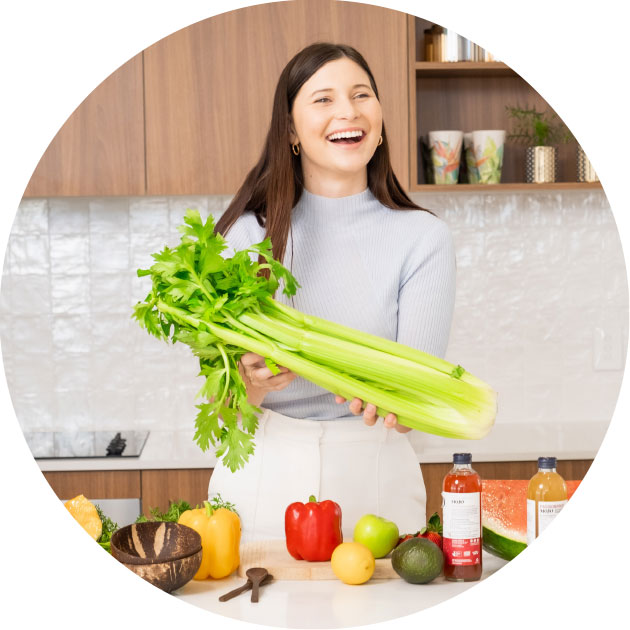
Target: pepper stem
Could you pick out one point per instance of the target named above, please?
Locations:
(312, 499)
(209, 508)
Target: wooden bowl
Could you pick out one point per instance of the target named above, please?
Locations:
(165, 554)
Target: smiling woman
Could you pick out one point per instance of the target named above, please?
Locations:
(337, 125)
(367, 257)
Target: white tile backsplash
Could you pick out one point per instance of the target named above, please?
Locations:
(538, 273)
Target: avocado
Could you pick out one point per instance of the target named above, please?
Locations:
(418, 560)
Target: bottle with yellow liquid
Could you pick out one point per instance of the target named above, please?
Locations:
(546, 496)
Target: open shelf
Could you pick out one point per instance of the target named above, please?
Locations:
(469, 95)
(506, 187)
(463, 69)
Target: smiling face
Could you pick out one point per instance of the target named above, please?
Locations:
(337, 121)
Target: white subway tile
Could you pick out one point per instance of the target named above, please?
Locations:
(71, 371)
(144, 245)
(70, 254)
(112, 334)
(70, 294)
(31, 334)
(111, 293)
(109, 216)
(73, 411)
(109, 252)
(110, 409)
(71, 333)
(149, 215)
(31, 218)
(30, 295)
(69, 216)
(29, 255)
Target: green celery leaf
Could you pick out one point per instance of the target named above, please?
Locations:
(237, 448)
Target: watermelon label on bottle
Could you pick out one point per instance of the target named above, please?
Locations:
(461, 536)
(547, 511)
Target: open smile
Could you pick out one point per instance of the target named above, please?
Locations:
(347, 138)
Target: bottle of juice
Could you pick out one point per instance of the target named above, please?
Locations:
(461, 521)
(546, 496)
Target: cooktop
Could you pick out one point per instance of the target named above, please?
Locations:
(68, 444)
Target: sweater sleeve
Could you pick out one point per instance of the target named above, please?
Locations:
(242, 234)
(426, 295)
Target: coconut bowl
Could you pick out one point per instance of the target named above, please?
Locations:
(165, 554)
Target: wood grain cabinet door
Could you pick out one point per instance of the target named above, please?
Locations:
(100, 149)
(209, 87)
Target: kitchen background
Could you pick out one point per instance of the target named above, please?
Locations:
(540, 314)
(542, 304)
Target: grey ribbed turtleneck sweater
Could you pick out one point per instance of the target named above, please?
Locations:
(387, 272)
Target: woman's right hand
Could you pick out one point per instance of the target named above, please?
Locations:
(259, 379)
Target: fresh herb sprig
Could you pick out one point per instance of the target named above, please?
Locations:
(172, 514)
(109, 527)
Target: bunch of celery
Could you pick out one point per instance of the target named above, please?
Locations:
(223, 307)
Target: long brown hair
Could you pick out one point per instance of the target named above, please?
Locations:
(274, 186)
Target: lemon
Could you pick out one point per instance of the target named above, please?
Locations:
(84, 512)
(352, 563)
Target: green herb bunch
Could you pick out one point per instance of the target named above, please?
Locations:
(172, 514)
(109, 527)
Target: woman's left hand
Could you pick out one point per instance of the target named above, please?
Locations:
(370, 415)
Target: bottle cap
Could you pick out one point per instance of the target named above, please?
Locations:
(546, 462)
(462, 458)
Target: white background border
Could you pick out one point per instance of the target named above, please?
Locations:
(55, 53)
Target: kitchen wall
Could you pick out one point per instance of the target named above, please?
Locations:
(541, 314)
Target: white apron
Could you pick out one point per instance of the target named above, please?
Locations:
(366, 470)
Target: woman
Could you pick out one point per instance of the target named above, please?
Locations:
(365, 256)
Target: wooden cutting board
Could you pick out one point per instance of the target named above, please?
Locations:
(273, 556)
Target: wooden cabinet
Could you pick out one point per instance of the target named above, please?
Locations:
(189, 115)
(160, 487)
(101, 484)
(468, 96)
(100, 149)
(156, 488)
(209, 87)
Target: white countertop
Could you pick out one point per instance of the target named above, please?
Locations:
(326, 603)
(177, 449)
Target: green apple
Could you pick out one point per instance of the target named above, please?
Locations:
(377, 534)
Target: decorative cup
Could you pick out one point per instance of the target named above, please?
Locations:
(488, 149)
(469, 155)
(446, 149)
(585, 170)
(541, 165)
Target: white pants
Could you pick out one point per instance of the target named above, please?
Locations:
(366, 470)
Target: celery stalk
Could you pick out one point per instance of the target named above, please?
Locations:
(224, 307)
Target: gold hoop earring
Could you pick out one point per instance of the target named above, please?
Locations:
(380, 141)
(296, 149)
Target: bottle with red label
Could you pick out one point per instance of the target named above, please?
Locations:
(461, 518)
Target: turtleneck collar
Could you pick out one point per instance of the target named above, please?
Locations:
(311, 203)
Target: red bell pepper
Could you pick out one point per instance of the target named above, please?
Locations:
(313, 529)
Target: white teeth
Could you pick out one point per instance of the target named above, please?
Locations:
(345, 134)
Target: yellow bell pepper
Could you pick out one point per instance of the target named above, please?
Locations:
(220, 531)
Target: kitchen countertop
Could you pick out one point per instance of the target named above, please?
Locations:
(327, 603)
(177, 449)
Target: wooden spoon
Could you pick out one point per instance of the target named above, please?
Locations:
(256, 575)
